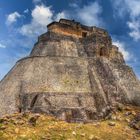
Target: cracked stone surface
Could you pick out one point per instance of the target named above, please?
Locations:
(73, 78)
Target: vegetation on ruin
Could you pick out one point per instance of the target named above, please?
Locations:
(28, 126)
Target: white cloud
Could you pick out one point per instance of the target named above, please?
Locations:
(122, 7)
(134, 24)
(127, 55)
(12, 18)
(74, 5)
(135, 29)
(61, 15)
(119, 8)
(90, 14)
(132, 8)
(2, 46)
(36, 1)
(26, 11)
(41, 16)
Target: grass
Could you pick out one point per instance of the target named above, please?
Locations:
(17, 127)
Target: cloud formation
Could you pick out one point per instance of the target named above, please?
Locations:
(60, 15)
(134, 26)
(12, 18)
(90, 14)
(131, 8)
(36, 1)
(26, 11)
(43, 15)
(2, 46)
(127, 55)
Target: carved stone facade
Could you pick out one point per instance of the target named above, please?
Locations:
(73, 72)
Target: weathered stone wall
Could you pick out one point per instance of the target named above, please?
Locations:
(53, 44)
(65, 30)
(75, 29)
(71, 78)
(87, 85)
(66, 83)
(68, 30)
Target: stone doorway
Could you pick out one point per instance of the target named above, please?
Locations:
(84, 34)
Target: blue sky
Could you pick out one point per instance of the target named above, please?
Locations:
(21, 22)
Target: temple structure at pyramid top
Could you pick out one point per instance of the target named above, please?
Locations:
(73, 28)
(70, 38)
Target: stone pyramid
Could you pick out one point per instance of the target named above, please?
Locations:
(73, 72)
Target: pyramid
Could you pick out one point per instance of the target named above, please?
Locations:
(73, 72)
